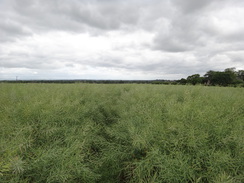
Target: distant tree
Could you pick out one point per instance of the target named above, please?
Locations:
(220, 78)
(208, 77)
(194, 79)
(240, 75)
(231, 69)
(224, 78)
(157, 82)
(232, 73)
(210, 74)
(182, 81)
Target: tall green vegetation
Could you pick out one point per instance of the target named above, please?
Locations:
(120, 133)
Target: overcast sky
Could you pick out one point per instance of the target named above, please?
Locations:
(119, 39)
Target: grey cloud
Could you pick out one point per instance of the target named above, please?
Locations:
(10, 29)
(190, 6)
(89, 15)
(237, 58)
(75, 15)
(181, 28)
(29, 61)
(183, 34)
(171, 44)
(236, 37)
(187, 31)
(170, 66)
(102, 61)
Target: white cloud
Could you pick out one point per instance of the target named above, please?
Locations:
(81, 39)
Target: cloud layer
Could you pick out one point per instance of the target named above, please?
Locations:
(115, 39)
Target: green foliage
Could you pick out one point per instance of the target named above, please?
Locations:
(228, 77)
(194, 79)
(240, 75)
(182, 81)
(120, 133)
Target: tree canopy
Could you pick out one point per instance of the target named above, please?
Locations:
(223, 78)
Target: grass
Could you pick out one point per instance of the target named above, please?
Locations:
(121, 133)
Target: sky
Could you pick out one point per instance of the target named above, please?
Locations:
(119, 39)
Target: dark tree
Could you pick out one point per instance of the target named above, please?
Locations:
(240, 75)
(182, 81)
(220, 78)
(194, 79)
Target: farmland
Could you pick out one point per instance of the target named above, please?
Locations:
(121, 133)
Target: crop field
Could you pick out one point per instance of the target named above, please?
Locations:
(108, 133)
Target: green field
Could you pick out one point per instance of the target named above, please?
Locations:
(121, 133)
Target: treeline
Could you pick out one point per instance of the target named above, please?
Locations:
(228, 77)
(80, 81)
